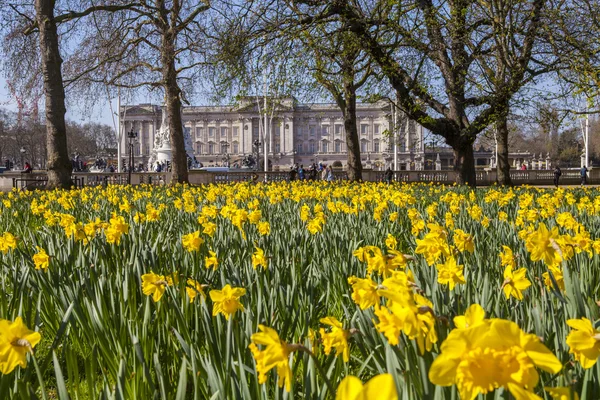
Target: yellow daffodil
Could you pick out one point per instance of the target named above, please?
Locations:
(364, 292)
(192, 241)
(7, 242)
(558, 278)
(154, 285)
(515, 282)
(380, 387)
(41, 259)
(507, 258)
(562, 393)
(209, 228)
(211, 260)
(463, 241)
(474, 315)
(542, 245)
(259, 259)
(264, 228)
(391, 242)
(193, 288)
(15, 342)
(450, 273)
(337, 338)
(226, 301)
(584, 342)
(275, 354)
(489, 355)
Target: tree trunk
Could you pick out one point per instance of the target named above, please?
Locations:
(352, 144)
(172, 97)
(503, 167)
(464, 163)
(59, 165)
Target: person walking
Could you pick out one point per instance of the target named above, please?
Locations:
(27, 169)
(301, 172)
(324, 172)
(329, 172)
(388, 175)
(584, 172)
(557, 174)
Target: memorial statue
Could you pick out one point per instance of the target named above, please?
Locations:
(161, 151)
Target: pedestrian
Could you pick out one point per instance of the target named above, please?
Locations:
(329, 173)
(583, 172)
(324, 172)
(158, 167)
(293, 173)
(27, 169)
(557, 174)
(301, 172)
(388, 175)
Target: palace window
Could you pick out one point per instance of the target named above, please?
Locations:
(211, 148)
(325, 147)
(299, 149)
(338, 129)
(223, 131)
(376, 129)
(311, 147)
(325, 130)
(235, 147)
(338, 146)
(363, 146)
(235, 131)
(364, 129)
(312, 131)
(198, 148)
(199, 132)
(211, 131)
(376, 146)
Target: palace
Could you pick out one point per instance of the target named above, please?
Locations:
(298, 134)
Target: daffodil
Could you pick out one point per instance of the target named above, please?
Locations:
(211, 260)
(192, 241)
(259, 259)
(562, 393)
(463, 241)
(337, 338)
(380, 387)
(557, 274)
(515, 282)
(584, 342)
(264, 228)
(41, 259)
(226, 301)
(474, 315)
(7, 242)
(275, 354)
(193, 288)
(154, 285)
(364, 292)
(507, 258)
(542, 245)
(494, 353)
(16, 340)
(391, 242)
(450, 273)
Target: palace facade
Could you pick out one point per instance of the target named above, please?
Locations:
(298, 134)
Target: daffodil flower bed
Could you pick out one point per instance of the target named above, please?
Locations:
(301, 290)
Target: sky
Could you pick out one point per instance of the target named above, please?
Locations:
(100, 113)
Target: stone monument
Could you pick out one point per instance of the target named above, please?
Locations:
(161, 151)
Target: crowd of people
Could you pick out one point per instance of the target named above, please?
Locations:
(312, 173)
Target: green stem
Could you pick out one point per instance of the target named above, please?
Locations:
(318, 365)
(39, 376)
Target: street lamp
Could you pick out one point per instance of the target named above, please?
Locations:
(131, 135)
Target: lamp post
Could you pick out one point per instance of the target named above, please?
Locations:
(22, 151)
(131, 135)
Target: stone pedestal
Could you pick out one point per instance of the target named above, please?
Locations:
(164, 153)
